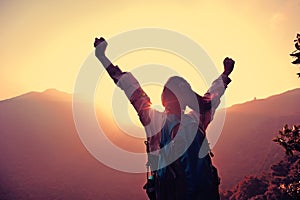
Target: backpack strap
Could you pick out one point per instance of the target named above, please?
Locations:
(174, 131)
(148, 163)
(150, 181)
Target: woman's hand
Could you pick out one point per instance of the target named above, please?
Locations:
(228, 66)
(100, 45)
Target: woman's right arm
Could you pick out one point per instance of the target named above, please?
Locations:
(126, 81)
(152, 120)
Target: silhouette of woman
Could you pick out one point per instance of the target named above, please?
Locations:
(189, 177)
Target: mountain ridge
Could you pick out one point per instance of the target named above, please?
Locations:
(292, 93)
(57, 93)
(50, 94)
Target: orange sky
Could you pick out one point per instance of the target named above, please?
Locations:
(44, 43)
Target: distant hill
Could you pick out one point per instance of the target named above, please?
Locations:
(47, 95)
(245, 146)
(42, 156)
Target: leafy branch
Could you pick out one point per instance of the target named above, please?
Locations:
(289, 139)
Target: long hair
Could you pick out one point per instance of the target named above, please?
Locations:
(177, 94)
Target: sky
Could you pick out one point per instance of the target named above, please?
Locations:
(44, 43)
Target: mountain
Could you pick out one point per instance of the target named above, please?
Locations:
(245, 146)
(42, 156)
(47, 95)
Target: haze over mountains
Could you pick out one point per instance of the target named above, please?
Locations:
(245, 146)
(42, 156)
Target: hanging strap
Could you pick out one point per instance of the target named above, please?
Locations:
(148, 163)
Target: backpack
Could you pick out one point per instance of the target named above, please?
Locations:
(189, 176)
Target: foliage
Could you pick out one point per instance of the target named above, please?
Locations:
(289, 139)
(282, 181)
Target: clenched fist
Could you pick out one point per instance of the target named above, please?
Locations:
(228, 66)
(100, 45)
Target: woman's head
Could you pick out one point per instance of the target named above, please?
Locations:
(175, 93)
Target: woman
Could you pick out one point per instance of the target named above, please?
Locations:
(175, 139)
